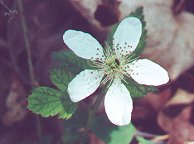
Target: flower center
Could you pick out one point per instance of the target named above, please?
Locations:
(113, 66)
(112, 63)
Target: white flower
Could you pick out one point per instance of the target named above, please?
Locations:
(113, 64)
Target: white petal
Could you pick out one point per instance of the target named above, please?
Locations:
(147, 72)
(118, 104)
(127, 35)
(84, 84)
(83, 44)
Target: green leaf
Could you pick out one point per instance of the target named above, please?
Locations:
(137, 90)
(142, 42)
(60, 78)
(112, 134)
(70, 62)
(124, 135)
(49, 102)
(141, 140)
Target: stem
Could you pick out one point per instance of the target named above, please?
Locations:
(154, 138)
(11, 13)
(144, 134)
(30, 65)
(3, 43)
(4, 5)
(94, 108)
(39, 130)
(98, 101)
(161, 138)
(179, 7)
(26, 40)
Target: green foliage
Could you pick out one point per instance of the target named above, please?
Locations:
(60, 78)
(141, 140)
(137, 90)
(100, 126)
(70, 62)
(122, 135)
(48, 101)
(111, 134)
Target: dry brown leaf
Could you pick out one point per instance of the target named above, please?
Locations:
(87, 9)
(170, 41)
(181, 97)
(14, 104)
(95, 140)
(170, 38)
(175, 118)
(175, 48)
(189, 143)
(150, 104)
(128, 6)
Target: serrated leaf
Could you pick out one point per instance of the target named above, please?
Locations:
(111, 134)
(70, 62)
(137, 90)
(141, 140)
(49, 102)
(60, 78)
(68, 108)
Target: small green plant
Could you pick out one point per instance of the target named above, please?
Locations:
(114, 73)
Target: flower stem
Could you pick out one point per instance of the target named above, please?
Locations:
(94, 108)
(98, 101)
(144, 134)
(30, 65)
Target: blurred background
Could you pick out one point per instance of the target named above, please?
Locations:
(33, 29)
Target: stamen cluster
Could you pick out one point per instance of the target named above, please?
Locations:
(114, 64)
